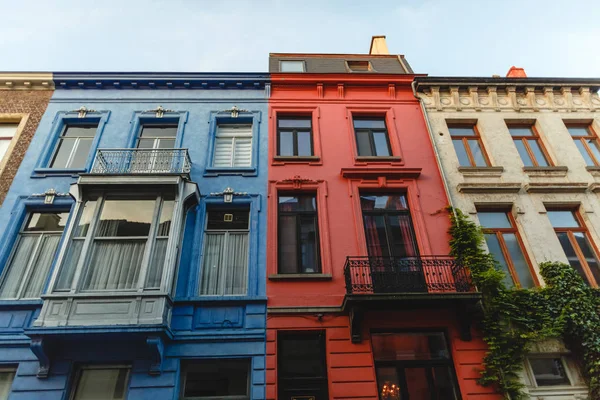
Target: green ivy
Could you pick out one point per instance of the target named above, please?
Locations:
(514, 319)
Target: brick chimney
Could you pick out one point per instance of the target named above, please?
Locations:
(378, 45)
(515, 72)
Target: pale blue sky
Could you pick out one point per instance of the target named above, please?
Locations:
(438, 37)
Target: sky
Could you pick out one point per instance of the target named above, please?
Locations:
(559, 38)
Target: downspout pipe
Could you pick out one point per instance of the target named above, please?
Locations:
(435, 149)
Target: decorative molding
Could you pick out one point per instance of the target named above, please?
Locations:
(38, 348)
(340, 88)
(49, 195)
(320, 93)
(234, 111)
(494, 172)
(489, 187)
(228, 194)
(159, 111)
(157, 349)
(26, 81)
(297, 181)
(556, 187)
(83, 111)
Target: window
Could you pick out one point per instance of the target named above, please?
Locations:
(225, 267)
(123, 237)
(73, 146)
(302, 366)
(413, 366)
(359, 66)
(468, 146)
(548, 371)
(298, 235)
(32, 257)
(294, 136)
(371, 137)
(291, 66)
(587, 143)
(505, 244)
(157, 137)
(233, 146)
(529, 145)
(7, 376)
(211, 379)
(388, 225)
(574, 239)
(7, 132)
(98, 382)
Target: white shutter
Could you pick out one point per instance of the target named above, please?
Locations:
(233, 146)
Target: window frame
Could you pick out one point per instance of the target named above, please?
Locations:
(234, 139)
(592, 136)
(370, 131)
(83, 367)
(281, 62)
(565, 365)
(157, 139)
(465, 142)
(183, 380)
(281, 116)
(61, 138)
(365, 71)
(9, 139)
(298, 215)
(29, 268)
(500, 237)
(535, 136)
(8, 368)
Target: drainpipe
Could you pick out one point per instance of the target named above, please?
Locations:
(435, 149)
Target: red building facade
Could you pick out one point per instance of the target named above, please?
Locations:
(358, 306)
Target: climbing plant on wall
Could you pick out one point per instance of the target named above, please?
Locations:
(513, 319)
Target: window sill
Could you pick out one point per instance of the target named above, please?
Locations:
(300, 277)
(481, 171)
(560, 171)
(212, 171)
(595, 171)
(310, 160)
(44, 172)
(376, 159)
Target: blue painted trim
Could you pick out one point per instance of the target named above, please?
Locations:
(140, 118)
(223, 117)
(61, 119)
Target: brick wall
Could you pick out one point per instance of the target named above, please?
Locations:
(30, 102)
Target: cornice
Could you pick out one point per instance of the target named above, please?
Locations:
(26, 81)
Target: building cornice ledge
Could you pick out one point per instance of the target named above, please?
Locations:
(556, 187)
(500, 187)
(26, 81)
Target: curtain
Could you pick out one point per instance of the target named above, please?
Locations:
(213, 258)
(6, 380)
(156, 266)
(65, 276)
(225, 269)
(38, 276)
(374, 245)
(18, 265)
(115, 264)
(236, 271)
(408, 237)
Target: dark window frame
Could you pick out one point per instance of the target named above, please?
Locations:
(62, 136)
(564, 364)
(465, 142)
(298, 215)
(183, 377)
(295, 135)
(525, 139)
(370, 132)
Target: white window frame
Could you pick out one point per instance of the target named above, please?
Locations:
(29, 268)
(302, 62)
(98, 367)
(234, 137)
(564, 362)
(61, 137)
(184, 370)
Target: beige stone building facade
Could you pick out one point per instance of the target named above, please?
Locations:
(521, 156)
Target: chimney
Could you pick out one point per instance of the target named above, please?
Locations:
(515, 72)
(378, 45)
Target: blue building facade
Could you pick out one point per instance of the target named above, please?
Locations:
(133, 241)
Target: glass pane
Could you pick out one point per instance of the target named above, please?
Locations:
(302, 355)
(309, 245)
(286, 143)
(228, 219)
(65, 276)
(593, 144)
(81, 153)
(166, 215)
(477, 153)
(563, 219)
(523, 153)
(584, 153)
(18, 265)
(494, 247)
(578, 131)
(304, 145)
(383, 202)
(154, 275)
(297, 203)
(381, 146)
(549, 371)
(377, 243)
(63, 152)
(120, 218)
(101, 384)
(494, 219)
(214, 248)
(146, 143)
(288, 246)
(212, 378)
(45, 256)
(417, 383)
(166, 143)
(563, 237)
(151, 131)
(375, 123)
(8, 130)
(291, 66)
(537, 152)
(85, 219)
(518, 260)
(520, 131)
(401, 236)
(461, 131)
(409, 346)
(80, 131)
(589, 254)
(363, 143)
(387, 382)
(461, 153)
(300, 122)
(235, 273)
(443, 383)
(114, 265)
(47, 222)
(6, 380)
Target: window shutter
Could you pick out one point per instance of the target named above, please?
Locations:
(233, 146)
(223, 152)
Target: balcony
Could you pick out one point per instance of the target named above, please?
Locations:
(142, 161)
(436, 282)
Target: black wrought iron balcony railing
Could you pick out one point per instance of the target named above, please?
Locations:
(142, 161)
(423, 274)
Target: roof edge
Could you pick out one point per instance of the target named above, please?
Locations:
(427, 81)
(26, 81)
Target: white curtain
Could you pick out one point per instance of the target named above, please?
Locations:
(18, 265)
(45, 256)
(225, 270)
(156, 266)
(65, 277)
(6, 380)
(115, 264)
